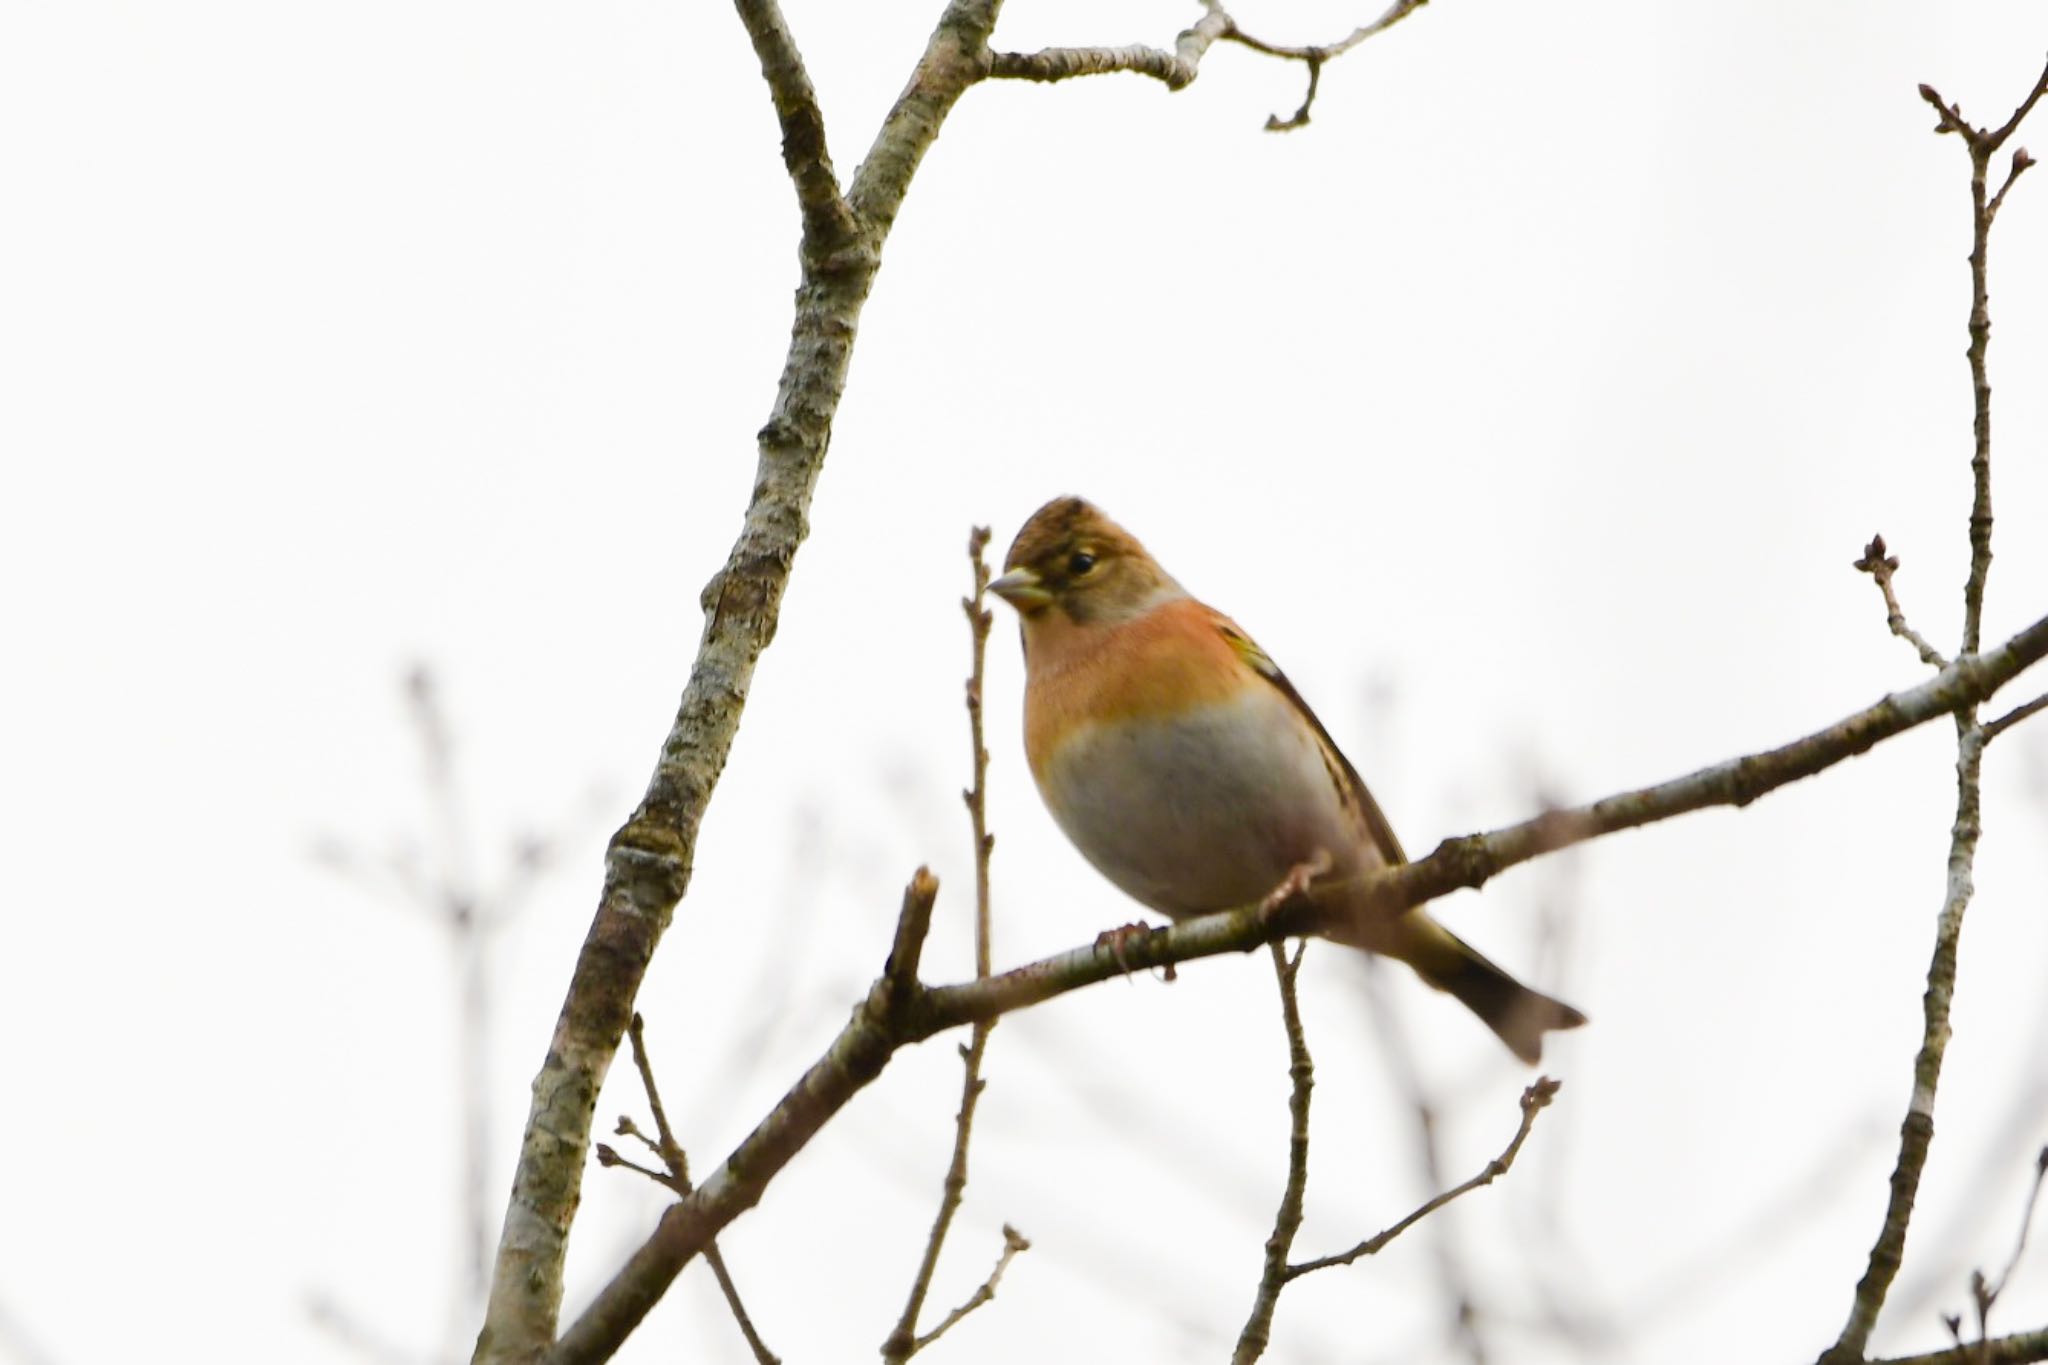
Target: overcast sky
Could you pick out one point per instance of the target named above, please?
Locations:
(1530, 407)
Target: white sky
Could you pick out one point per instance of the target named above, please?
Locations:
(1530, 407)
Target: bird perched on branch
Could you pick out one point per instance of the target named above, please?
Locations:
(1181, 762)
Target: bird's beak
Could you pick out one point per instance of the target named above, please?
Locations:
(1023, 590)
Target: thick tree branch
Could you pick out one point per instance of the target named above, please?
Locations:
(649, 862)
(1175, 69)
(891, 1018)
(829, 225)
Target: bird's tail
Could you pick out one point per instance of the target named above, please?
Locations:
(1517, 1014)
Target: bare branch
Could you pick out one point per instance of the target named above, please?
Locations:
(903, 1341)
(2021, 1348)
(650, 860)
(1534, 1101)
(1301, 1073)
(1916, 1131)
(887, 1020)
(1299, 118)
(1982, 144)
(1175, 69)
(2013, 717)
(2019, 1246)
(1394, 14)
(609, 1158)
(672, 1156)
(1013, 1242)
(1881, 566)
(829, 225)
(1178, 68)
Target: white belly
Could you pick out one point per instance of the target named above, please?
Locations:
(1207, 811)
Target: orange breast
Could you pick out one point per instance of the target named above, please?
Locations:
(1171, 658)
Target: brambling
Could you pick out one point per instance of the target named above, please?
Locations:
(1181, 762)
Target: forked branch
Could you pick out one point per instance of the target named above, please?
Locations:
(1176, 69)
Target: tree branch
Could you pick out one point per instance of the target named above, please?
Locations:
(1993, 729)
(665, 1146)
(829, 225)
(1301, 1073)
(888, 1020)
(1177, 69)
(1013, 1242)
(1535, 1100)
(1881, 566)
(2021, 1348)
(1983, 144)
(903, 1341)
(650, 859)
(1916, 1131)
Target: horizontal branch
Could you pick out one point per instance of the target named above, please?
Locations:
(2021, 1348)
(1174, 69)
(1178, 68)
(893, 1017)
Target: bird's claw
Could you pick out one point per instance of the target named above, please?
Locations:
(1295, 883)
(1116, 939)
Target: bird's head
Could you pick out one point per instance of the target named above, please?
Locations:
(1071, 559)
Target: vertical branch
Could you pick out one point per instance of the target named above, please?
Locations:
(903, 1341)
(1258, 1328)
(1916, 1131)
(1980, 390)
(1983, 144)
(649, 863)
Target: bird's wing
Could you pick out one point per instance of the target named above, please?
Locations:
(1351, 786)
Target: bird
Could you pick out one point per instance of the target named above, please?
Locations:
(1176, 756)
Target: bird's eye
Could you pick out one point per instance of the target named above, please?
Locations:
(1080, 562)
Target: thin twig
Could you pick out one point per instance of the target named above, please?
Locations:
(1916, 1131)
(1881, 566)
(2019, 1246)
(1013, 1242)
(1983, 144)
(1534, 1101)
(1177, 69)
(903, 1341)
(1301, 1075)
(1391, 1033)
(672, 1156)
(1993, 729)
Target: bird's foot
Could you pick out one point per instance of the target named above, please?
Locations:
(1295, 883)
(1117, 939)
